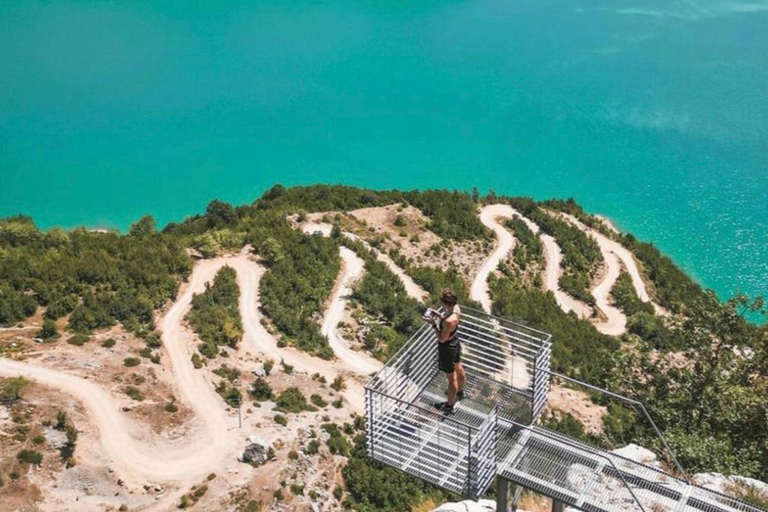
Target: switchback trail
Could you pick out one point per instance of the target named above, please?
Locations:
(505, 243)
(622, 254)
(411, 288)
(352, 269)
(552, 255)
(215, 442)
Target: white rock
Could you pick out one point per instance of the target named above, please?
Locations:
(257, 450)
(637, 454)
(720, 483)
(259, 370)
(56, 439)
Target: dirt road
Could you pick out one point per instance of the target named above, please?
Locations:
(622, 254)
(505, 243)
(352, 270)
(552, 255)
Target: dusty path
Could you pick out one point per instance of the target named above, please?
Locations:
(552, 255)
(352, 270)
(256, 338)
(217, 441)
(622, 254)
(615, 323)
(411, 288)
(505, 243)
(207, 450)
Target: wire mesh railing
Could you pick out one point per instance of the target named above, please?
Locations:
(421, 442)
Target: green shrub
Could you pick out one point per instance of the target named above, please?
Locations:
(108, 343)
(131, 361)
(197, 361)
(268, 365)
(312, 447)
(79, 339)
(229, 393)
(318, 401)
(281, 420)
(261, 390)
(293, 455)
(12, 388)
(30, 457)
(49, 330)
(134, 393)
(293, 400)
(171, 407)
(337, 443)
(38, 440)
(297, 489)
(231, 374)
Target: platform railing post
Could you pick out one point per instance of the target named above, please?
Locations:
(502, 494)
(469, 464)
(557, 506)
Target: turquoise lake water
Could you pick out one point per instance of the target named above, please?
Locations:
(654, 113)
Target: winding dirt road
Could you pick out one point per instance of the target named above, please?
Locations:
(505, 243)
(552, 255)
(215, 442)
(622, 254)
(352, 270)
(212, 444)
(411, 288)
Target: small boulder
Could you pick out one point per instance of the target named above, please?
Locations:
(637, 454)
(259, 370)
(56, 439)
(256, 452)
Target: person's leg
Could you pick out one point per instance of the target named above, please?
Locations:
(461, 377)
(452, 389)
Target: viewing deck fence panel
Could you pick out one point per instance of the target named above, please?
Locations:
(459, 452)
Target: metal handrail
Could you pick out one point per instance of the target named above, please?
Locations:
(632, 402)
(573, 445)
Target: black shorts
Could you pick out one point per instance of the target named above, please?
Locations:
(448, 356)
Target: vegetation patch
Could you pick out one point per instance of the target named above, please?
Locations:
(529, 248)
(292, 400)
(215, 316)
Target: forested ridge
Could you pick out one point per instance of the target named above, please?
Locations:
(713, 408)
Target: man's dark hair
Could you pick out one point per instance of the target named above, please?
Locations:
(448, 297)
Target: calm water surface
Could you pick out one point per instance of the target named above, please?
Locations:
(651, 112)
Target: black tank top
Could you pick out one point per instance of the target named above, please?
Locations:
(453, 339)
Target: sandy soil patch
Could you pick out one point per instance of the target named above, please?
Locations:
(580, 406)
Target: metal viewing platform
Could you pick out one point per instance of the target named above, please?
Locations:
(493, 433)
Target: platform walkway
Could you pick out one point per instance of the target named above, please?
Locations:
(494, 435)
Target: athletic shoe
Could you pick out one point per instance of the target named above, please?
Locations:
(459, 396)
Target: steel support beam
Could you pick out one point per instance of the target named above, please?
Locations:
(557, 506)
(502, 494)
